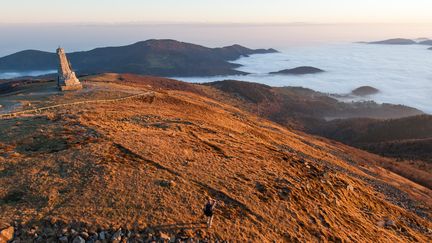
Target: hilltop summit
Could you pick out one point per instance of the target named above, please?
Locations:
(141, 168)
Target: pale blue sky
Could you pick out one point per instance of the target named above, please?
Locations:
(239, 11)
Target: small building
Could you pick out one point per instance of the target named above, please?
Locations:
(66, 79)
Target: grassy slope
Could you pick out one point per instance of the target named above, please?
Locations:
(104, 164)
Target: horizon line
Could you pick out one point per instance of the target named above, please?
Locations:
(293, 23)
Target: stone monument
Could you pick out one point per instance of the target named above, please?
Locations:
(66, 79)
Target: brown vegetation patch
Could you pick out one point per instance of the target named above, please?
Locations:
(120, 169)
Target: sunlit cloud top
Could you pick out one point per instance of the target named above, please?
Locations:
(217, 11)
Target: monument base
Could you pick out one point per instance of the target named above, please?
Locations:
(71, 87)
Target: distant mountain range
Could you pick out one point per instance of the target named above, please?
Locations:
(151, 57)
(402, 41)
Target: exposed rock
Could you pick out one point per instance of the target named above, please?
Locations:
(49, 232)
(185, 234)
(85, 235)
(32, 232)
(7, 234)
(163, 236)
(390, 223)
(167, 183)
(63, 239)
(365, 91)
(350, 188)
(299, 71)
(78, 239)
(73, 232)
(117, 236)
(64, 230)
(381, 223)
(102, 235)
(396, 41)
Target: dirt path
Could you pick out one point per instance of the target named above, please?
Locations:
(39, 110)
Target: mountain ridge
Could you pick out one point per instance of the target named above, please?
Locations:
(152, 57)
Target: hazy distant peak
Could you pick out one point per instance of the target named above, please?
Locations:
(426, 42)
(394, 41)
(30, 52)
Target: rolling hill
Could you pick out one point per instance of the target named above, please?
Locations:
(140, 169)
(154, 57)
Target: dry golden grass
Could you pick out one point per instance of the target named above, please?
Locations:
(106, 165)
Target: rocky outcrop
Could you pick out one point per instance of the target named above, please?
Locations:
(396, 41)
(299, 71)
(58, 231)
(365, 91)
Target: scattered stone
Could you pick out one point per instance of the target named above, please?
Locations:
(49, 232)
(163, 236)
(137, 236)
(284, 193)
(102, 235)
(381, 223)
(117, 236)
(73, 232)
(390, 223)
(172, 239)
(167, 183)
(78, 239)
(85, 235)
(350, 188)
(185, 234)
(32, 232)
(64, 230)
(7, 234)
(63, 239)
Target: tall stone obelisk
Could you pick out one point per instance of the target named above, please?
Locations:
(67, 79)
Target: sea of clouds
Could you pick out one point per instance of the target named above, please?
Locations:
(403, 74)
(9, 75)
